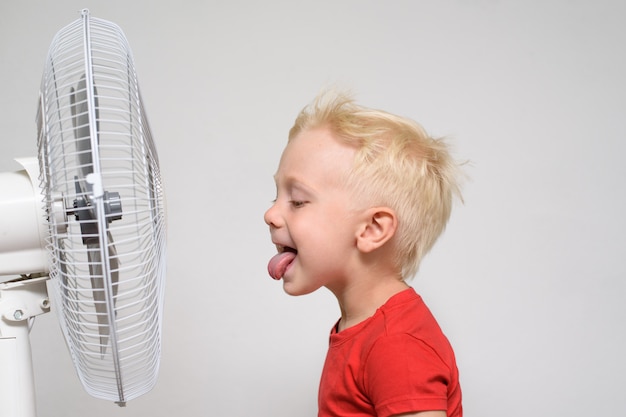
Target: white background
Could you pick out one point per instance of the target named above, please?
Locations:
(528, 281)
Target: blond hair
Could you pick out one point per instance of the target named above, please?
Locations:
(397, 164)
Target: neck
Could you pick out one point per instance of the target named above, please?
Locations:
(360, 301)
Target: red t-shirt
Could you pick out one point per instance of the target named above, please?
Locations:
(397, 361)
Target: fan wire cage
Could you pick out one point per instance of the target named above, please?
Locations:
(105, 210)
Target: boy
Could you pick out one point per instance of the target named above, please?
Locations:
(362, 195)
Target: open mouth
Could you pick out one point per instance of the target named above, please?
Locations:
(281, 261)
(288, 249)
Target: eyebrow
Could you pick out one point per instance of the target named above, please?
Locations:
(294, 182)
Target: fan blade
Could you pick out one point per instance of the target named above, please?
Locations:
(80, 122)
(97, 285)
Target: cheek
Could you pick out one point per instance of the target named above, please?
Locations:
(325, 230)
(326, 241)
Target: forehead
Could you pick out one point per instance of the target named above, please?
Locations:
(315, 155)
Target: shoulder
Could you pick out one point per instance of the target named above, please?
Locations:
(406, 354)
(410, 338)
(407, 313)
(407, 301)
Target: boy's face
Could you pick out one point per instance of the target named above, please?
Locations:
(313, 216)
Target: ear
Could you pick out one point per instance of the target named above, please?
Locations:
(378, 227)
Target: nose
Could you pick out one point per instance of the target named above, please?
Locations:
(271, 217)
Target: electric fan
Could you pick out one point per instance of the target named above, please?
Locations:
(92, 229)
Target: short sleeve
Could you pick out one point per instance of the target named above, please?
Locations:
(404, 374)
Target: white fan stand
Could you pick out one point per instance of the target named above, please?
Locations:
(20, 302)
(22, 240)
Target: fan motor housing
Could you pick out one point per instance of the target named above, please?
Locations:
(22, 231)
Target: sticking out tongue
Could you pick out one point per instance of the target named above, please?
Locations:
(279, 263)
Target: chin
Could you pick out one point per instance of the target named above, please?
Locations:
(295, 290)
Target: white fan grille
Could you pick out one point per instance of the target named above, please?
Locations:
(108, 262)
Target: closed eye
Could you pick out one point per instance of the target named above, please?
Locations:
(297, 203)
